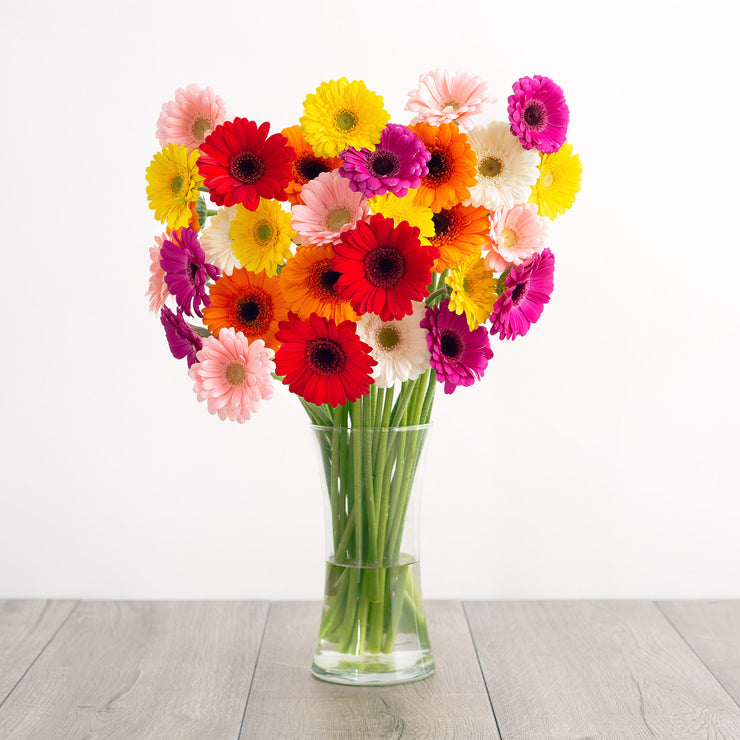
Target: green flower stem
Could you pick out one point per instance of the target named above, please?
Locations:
(211, 212)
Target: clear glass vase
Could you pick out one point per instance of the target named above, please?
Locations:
(373, 627)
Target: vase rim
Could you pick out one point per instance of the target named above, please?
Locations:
(410, 428)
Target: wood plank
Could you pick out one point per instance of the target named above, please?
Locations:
(145, 670)
(286, 701)
(593, 669)
(712, 628)
(26, 625)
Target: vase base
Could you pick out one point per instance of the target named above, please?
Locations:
(373, 669)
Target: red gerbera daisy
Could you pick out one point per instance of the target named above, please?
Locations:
(383, 268)
(323, 362)
(241, 164)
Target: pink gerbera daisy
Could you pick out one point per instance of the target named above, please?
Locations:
(330, 207)
(444, 97)
(538, 113)
(189, 118)
(233, 375)
(516, 234)
(158, 290)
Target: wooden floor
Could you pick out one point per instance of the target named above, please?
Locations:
(565, 670)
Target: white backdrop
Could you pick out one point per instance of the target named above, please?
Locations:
(597, 458)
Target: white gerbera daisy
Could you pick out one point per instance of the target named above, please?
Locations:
(506, 171)
(399, 347)
(216, 241)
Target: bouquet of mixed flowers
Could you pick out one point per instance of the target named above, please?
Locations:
(360, 262)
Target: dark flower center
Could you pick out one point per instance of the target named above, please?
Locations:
(193, 268)
(327, 280)
(310, 167)
(246, 167)
(534, 114)
(325, 356)
(519, 292)
(439, 165)
(384, 267)
(383, 163)
(248, 310)
(450, 345)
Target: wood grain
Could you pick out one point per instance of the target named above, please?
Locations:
(577, 670)
(286, 701)
(141, 670)
(712, 628)
(26, 626)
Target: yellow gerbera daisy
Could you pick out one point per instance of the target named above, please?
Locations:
(405, 209)
(262, 237)
(341, 114)
(173, 184)
(473, 290)
(559, 181)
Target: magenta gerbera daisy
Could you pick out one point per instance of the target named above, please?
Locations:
(183, 341)
(323, 362)
(528, 288)
(459, 355)
(186, 271)
(240, 163)
(538, 113)
(233, 375)
(383, 268)
(395, 165)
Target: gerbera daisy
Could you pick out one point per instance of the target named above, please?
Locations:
(181, 337)
(217, 242)
(306, 165)
(173, 181)
(262, 238)
(383, 268)
(559, 181)
(395, 165)
(538, 113)
(330, 207)
(516, 234)
(459, 356)
(233, 375)
(405, 209)
(189, 118)
(241, 163)
(186, 271)
(527, 289)
(473, 290)
(323, 362)
(444, 97)
(308, 283)
(341, 114)
(158, 291)
(451, 166)
(250, 303)
(400, 347)
(459, 232)
(506, 171)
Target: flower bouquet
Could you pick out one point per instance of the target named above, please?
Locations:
(360, 262)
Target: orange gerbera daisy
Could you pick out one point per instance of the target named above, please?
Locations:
(307, 282)
(460, 232)
(306, 165)
(249, 302)
(452, 167)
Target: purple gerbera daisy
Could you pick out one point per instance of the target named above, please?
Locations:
(183, 341)
(538, 114)
(397, 164)
(527, 290)
(186, 271)
(459, 355)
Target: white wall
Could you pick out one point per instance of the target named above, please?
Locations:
(599, 456)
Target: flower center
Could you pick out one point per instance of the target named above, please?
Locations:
(535, 115)
(384, 267)
(548, 179)
(519, 293)
(325, 356)
(246, 167)
(383, 163)
(490, 167)
(450, 105)
(439, 165)
(193, 268)
(337, 217)
(345, 121)
(236, 373)
(388, 337)
(200, 127)
(262, 232)
(466, 285)
(508, 238)
(450, 345)
(248, 310)
(310, 167)
(177, 183)
(325, 278)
